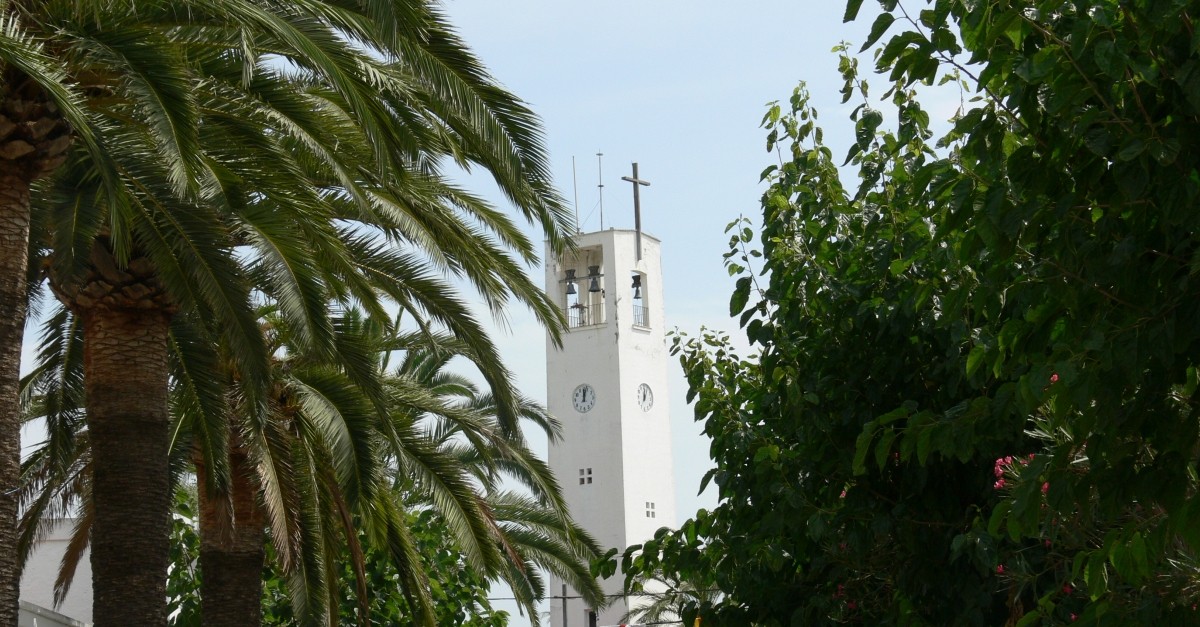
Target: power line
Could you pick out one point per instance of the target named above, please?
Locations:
(644, 593)
(559, 596)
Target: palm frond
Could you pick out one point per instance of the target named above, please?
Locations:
(199, 403)
(20, 50)
(156, 81)
(74, 551)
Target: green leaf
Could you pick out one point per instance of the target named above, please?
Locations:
(1137, 547)
(1165, 151)
(1132, 148)
(999, 514)
(741, 295)
(852, 7)
(1030, 618)
(898, 266)
(1096, 575)
(975, 359)
(1109, 59)
(878, 28)
(884, 448)
(924, 442)
(1132, 178)
(1044, 62)
(862, 447)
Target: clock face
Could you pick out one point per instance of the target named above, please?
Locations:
(645, 397)
(584, 398)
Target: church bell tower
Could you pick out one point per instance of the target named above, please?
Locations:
(607, 384)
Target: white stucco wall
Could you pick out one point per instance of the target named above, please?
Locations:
(37, 581)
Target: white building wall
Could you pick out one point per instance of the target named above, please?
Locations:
(627, 449)
(37, 580)
(31, 615)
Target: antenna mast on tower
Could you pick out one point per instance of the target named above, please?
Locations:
(575, 186)
(600, 167)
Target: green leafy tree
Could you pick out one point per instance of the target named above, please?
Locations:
(977, 372)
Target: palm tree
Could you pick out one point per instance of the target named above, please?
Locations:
(141, 223)
(406, 281)
(320, 419)
(320, 479)
(531, 529)
(669, 598)
(36, 120)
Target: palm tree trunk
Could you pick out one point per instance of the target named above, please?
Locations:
(231, 559)
(125, 376)
(14, 249)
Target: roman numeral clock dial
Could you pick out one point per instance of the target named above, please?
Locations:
(584, 398)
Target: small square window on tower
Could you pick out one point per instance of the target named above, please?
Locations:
(650, 513)
(585, 476)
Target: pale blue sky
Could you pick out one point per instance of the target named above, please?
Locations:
(680, 88)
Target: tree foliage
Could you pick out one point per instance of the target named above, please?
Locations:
(197, 152)
(459, 592)
(354, 488)
(975, 395)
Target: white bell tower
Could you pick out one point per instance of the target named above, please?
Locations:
(608, 387)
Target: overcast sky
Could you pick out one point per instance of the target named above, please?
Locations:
(679, 87)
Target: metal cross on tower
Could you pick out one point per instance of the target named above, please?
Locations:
(637, 207)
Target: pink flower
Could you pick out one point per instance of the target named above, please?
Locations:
(1054, 378)
(1074, 617)
(1067, 589)
(999, 485)
(999, 569)
(1045, 487)
(843, 495)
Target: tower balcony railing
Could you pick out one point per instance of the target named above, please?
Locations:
(641, 315)
(581, 316)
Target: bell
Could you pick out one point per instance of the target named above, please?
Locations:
(570, 281)
(637, 286)
(594, 275)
